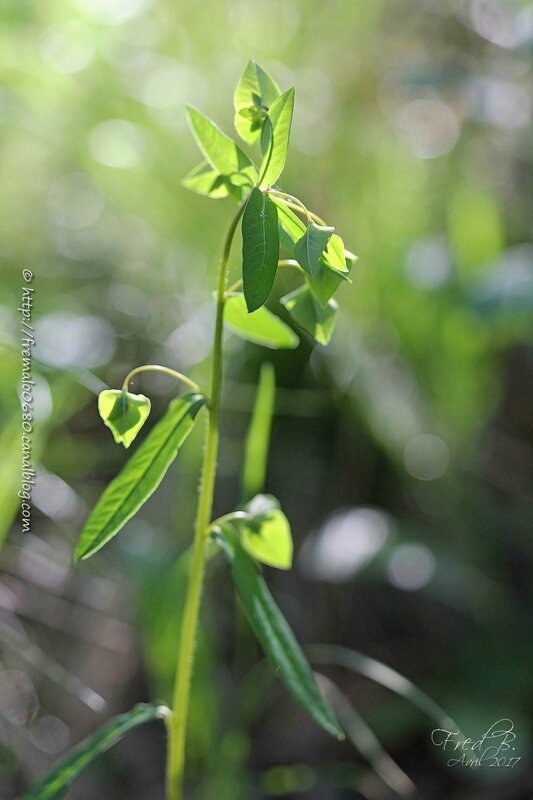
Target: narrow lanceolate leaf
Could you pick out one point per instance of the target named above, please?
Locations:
(275, 138)
(260, 248)
(317, 320)
(57, 782)
(258, 437)
(275, 635)
(141, 475)
(255, 93)
(308, 250)
(206, 180)
(219, 150)
(261, 327)
(266, 535)
(124, 413)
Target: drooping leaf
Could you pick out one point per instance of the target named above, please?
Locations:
(260, 248)
(267, 535)
(60, 778)
(140, 476)
(261, 326)
(258, 437)
(219, 150)
(335, 254)
(325, 283)
(309, 248)
(255, 93)
(124, 413)
(327, 280)
(206, 180)
(275, 138)
(317, 320)
(275, 635)
(292, 228)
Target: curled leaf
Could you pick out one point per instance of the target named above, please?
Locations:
(124, 413)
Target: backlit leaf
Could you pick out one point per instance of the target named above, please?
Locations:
(124, 413)
(140, 476)
(335, 254)
(261, 326)
(219, 150)
(260, 248)
(275, 138)
(267, 537)
(206, 180)
(255, 93)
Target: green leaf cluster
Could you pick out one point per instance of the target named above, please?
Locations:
(272, 220)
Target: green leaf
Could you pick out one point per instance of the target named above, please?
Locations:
(267, 537)
(261, 326)
(206, 180)
(260, 248)
(255, 93)
(275, 138)
(258, 437)
(219, 150)
(275, 635)
(327, 280)
(311, 316)
(325, 283)
(335, 254)
(291, 227)
(140, 476)
(308, 250)
(60, 778)
(123, 413)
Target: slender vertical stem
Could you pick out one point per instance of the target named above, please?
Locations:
(180, 704)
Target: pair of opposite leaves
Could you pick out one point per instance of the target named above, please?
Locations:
(265, 533)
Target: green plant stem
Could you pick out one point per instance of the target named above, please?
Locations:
(180, 704)
(292, 202)
(157, 368)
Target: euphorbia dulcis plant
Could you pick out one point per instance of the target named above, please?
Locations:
(278, 232)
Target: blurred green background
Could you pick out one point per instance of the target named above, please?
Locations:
(402, 453)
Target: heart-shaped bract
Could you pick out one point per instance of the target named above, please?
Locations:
(123, 413)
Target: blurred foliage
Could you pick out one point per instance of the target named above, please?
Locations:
(403, 453)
